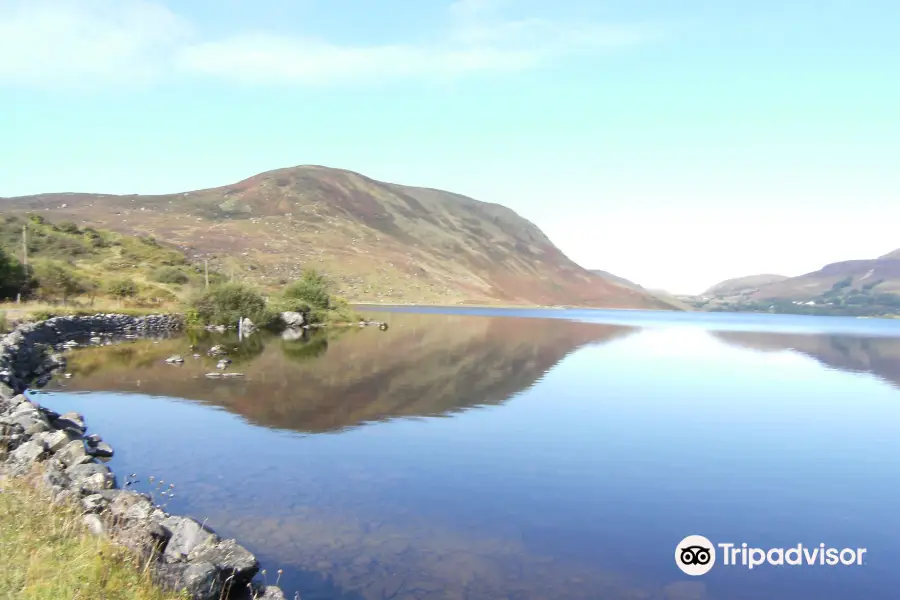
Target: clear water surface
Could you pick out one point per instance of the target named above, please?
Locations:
(526, 454)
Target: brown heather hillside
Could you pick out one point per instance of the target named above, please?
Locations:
(882, 274)
(381, 242)
(741, 285)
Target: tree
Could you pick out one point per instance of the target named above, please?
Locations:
(225, 304)
(57, 281)
(121, 288)
(13, 278)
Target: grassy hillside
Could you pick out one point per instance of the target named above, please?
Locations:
(67, 261)
(380, 242)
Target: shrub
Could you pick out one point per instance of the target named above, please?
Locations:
(68, 227)
(171, 275)
(225, 304)
(13, 278)
(121, 288)
(4, 324)
(312, 289)
(57, 280)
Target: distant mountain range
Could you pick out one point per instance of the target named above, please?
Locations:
(853, 287)
(380, 242)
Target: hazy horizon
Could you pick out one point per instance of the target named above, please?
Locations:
(673, 146)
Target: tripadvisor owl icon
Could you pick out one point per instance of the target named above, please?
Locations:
(695, 555)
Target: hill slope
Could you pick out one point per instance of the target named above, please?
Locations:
(881, 275)
(740, 285)
(381, 242)
(850, 288)
(668, 300)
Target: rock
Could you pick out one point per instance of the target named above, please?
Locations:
(131, 507)
(383, 327)
(55, 479)
(91, 476)
(6, 392)
(73, 453)
(93, 439)
(293, 319)
(26, 455)
(221, 365)
(186, 534)
(175, 360)
(202, 581)
(72, 422)
(270, 592)
(94, 503)
(101, 450)
(234, 560)
(57, 440)
(230, 375)
(213, 375)
(94, 524)
(217, 350)
(133, 524)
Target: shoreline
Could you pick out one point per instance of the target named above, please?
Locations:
(181, 553)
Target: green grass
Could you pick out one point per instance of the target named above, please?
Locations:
(69, 263)
(46, 553)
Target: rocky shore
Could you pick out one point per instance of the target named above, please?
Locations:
(183, 554)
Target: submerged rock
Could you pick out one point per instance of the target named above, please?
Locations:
(175, 360)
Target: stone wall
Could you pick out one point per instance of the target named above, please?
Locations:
(183, 553)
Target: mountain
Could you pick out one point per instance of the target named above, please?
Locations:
(740, 285)
(868, 287)
(879, 275)
(380, 242)
(670, 301)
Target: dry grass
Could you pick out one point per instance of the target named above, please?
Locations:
(46, 553)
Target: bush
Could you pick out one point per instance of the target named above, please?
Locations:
(68, 227)
(4, 324)
(57, 280)
(13, 278)
(225, 304)
(171, 275)
(121, 288)
(312, 289)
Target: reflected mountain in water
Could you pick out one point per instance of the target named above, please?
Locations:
(422, 366)
(879, 356)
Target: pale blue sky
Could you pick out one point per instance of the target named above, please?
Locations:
(673, 143)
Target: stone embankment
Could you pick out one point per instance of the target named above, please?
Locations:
(183, 554)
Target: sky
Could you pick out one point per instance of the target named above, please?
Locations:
(673, 143)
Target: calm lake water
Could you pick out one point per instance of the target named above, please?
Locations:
(524, 454)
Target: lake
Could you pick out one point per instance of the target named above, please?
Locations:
(523, 454)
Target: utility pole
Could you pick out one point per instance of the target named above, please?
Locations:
(206, 270)
(25, 247)
(24, 259)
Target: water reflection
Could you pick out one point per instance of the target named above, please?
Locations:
(594, 450)
(422, 366)
(879, 356)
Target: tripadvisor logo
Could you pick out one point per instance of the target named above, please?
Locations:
(696, 555)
